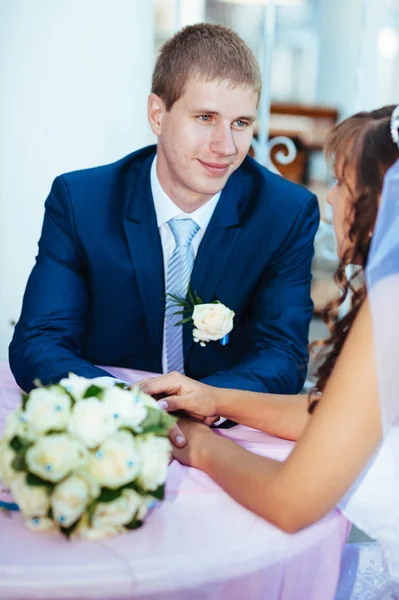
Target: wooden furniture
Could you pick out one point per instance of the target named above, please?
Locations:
(307, 127)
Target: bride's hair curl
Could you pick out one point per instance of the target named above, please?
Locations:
(363, 143)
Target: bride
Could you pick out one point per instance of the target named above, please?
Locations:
(339, 458)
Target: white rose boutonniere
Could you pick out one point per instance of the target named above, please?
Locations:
(211, 322)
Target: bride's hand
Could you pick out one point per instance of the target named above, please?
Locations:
(199, 440)
(183, 393)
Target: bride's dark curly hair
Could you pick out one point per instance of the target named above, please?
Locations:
(363, 143)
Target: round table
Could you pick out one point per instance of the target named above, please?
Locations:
(198, 544)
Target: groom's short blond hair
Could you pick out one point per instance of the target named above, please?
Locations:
(210, 52)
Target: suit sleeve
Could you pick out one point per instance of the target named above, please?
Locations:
(47, 340)
(278, 327)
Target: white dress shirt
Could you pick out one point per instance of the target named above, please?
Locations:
(166, 210)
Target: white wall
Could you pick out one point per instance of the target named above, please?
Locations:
(352, 74)
(74, 80)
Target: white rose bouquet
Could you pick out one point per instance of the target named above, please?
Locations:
(85, 460)
(211, 322)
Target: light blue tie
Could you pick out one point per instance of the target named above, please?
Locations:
(179, 273)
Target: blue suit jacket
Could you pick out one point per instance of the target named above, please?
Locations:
(96, 294)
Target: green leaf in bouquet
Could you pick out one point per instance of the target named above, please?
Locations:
(168, 421)
(159, 493)
(157, 422)
(120, 385)
(19, 463)
(134, 485)
(90, 510)
(68, 531)
(153, 419)
(128, 429)
(134, 524)
(50, 514)
(109, 495)
(25, 398)
(93, 392)
(18, 443)
(34, 480)
(20, 446)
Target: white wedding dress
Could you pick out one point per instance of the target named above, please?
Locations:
(371, 571)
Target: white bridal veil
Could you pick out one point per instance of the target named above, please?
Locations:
(373, 503)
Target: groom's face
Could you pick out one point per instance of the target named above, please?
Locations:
(203, 138)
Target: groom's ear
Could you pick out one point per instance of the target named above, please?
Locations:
(156, 110)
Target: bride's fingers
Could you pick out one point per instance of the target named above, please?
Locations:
(176, 436)
(172, 403)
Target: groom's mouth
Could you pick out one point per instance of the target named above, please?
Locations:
(215, 169)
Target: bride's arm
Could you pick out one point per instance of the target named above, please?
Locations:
(341, 437)
(280, 415)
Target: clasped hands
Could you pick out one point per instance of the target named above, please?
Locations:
(199, 403)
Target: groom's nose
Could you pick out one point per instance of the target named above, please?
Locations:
(223, 141)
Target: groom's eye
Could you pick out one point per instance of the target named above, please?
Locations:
(240, 123)
(205, 118)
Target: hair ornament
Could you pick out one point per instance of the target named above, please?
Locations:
(395, 126)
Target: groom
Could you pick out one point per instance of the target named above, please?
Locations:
(118, 238)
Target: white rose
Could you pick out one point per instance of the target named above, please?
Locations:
(43, 524)
(212, 321)
(145, 398)
(125, 407)
(16, 424)
(91, 422)
(33, 500)
(116, 461)
(147, 504)
(155, 456)
(69, 500)
(76, 385)
(54, 456)
(118, 512)
(47, 409)
(85, 532)
(7, 455)
(92, 484)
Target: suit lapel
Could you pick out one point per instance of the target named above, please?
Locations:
(215, 249)
(145, 248)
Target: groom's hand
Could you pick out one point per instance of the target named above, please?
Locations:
(177, 392)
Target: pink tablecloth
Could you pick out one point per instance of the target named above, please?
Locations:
(198, 545)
